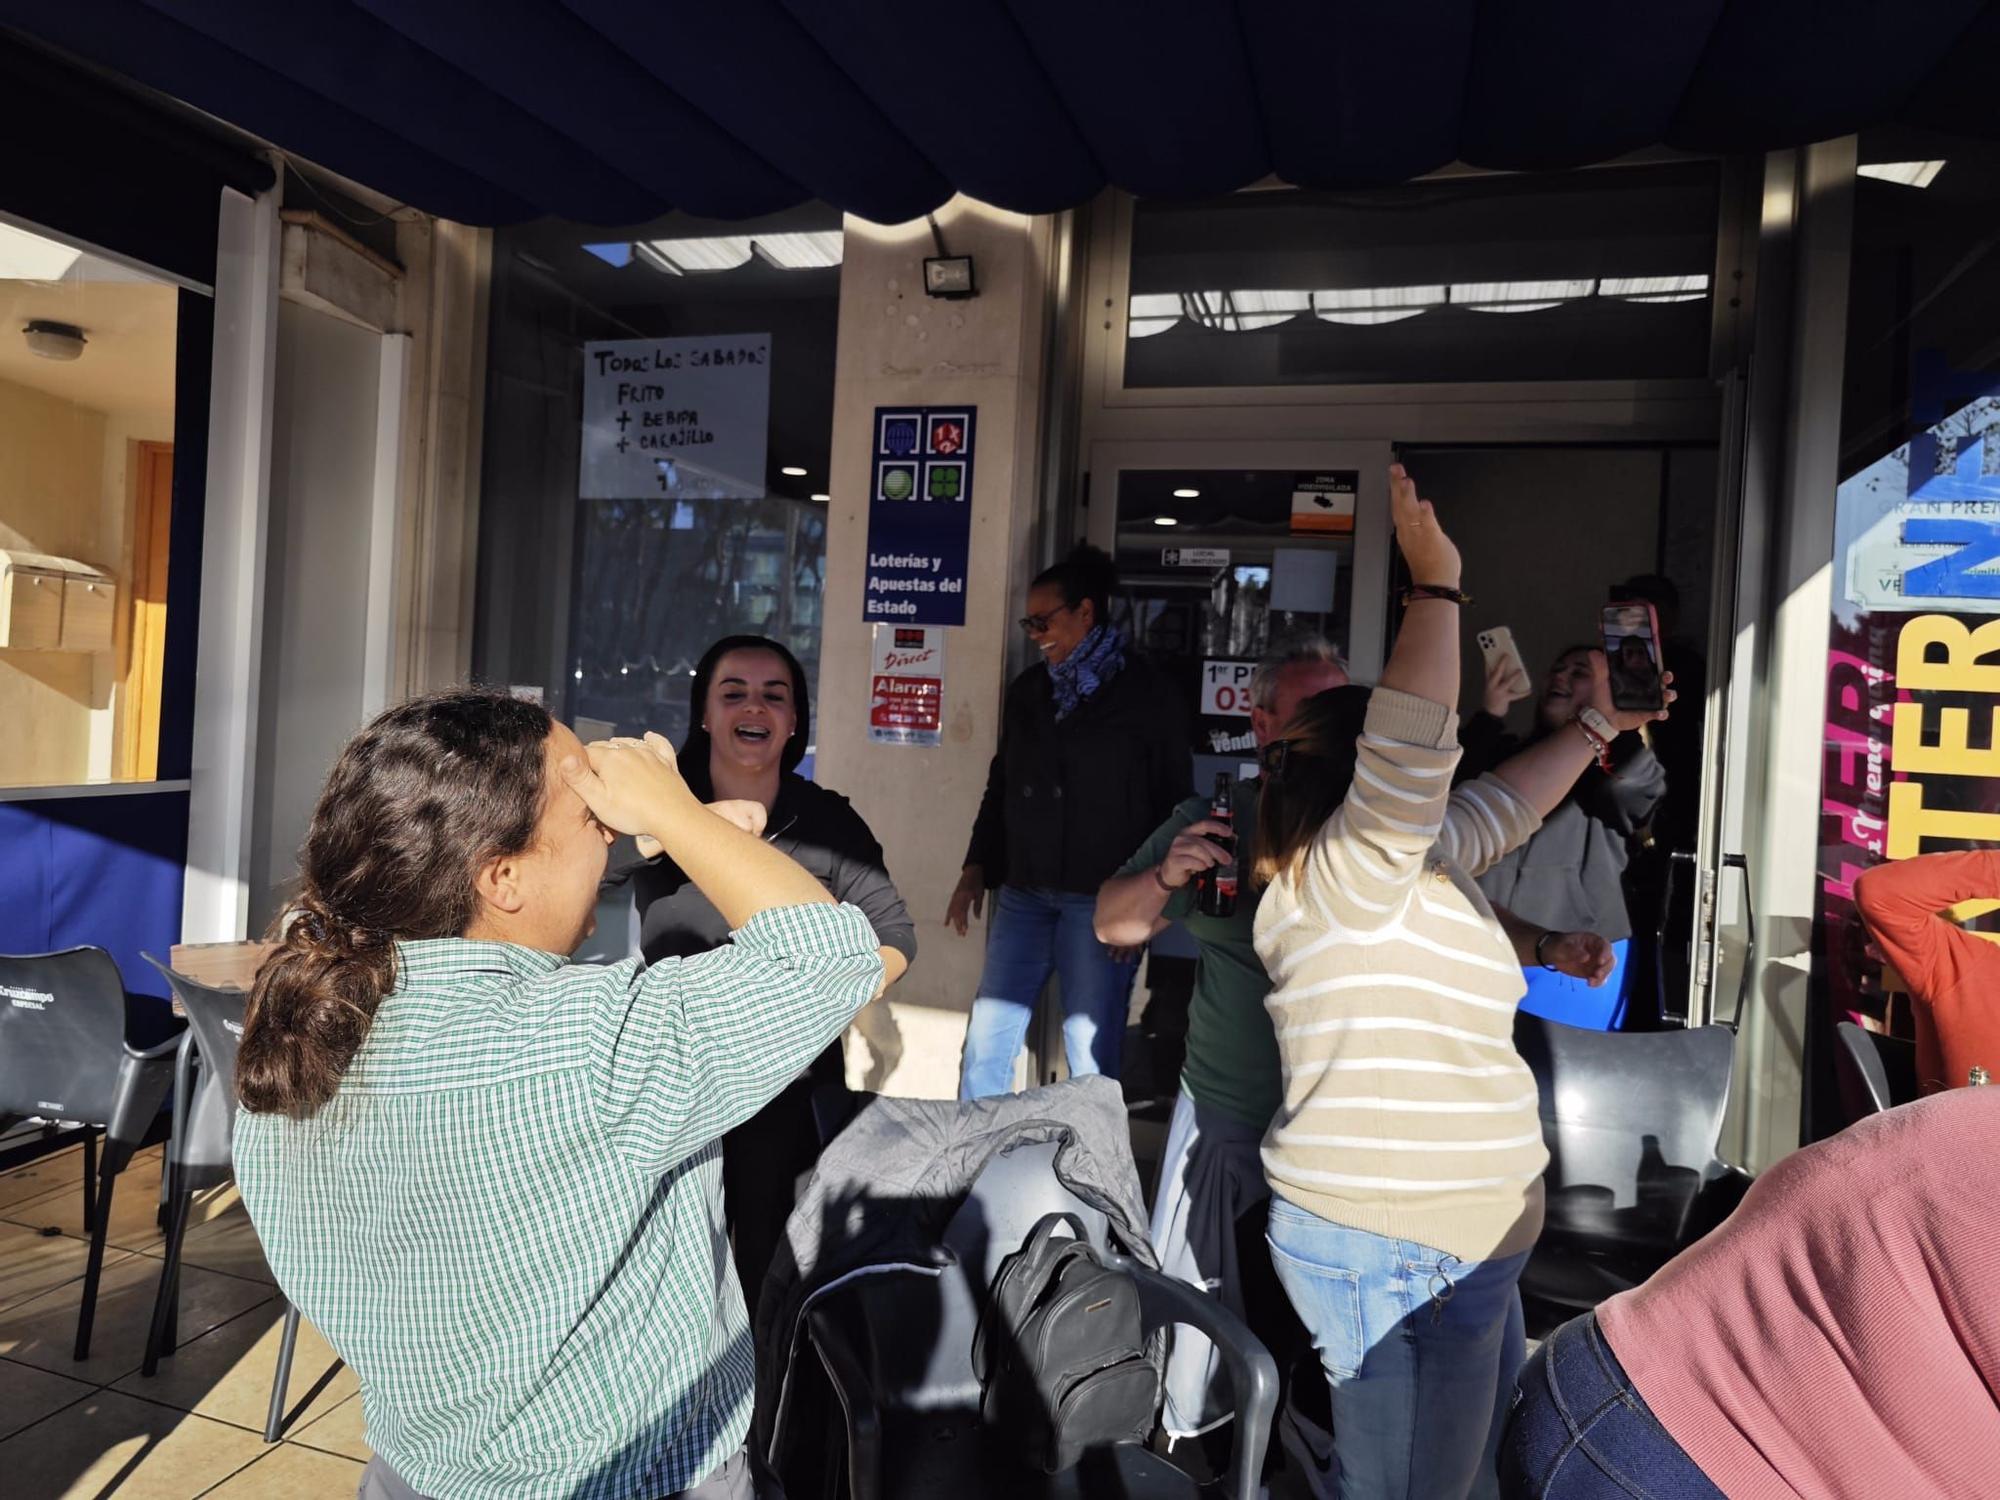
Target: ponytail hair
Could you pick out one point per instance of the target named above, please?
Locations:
(1087, 573)
(418, 802)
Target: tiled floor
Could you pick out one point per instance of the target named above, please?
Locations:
(99, 1429)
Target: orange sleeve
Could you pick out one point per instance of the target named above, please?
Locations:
(1903, 903)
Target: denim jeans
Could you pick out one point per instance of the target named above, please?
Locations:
(1581, 1432)
(1419, 1347)
(1035, 932)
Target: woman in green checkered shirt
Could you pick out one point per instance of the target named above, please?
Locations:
(490, 1176)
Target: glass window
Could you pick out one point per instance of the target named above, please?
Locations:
(1557, 276)
(1910, 748)
(654, 564)
(86, 498)
(1215, 565)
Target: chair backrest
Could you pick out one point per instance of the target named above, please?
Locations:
(929, 1366)
(1633, 1121)
(62, 1034)
(215, 1027)
(1013, 1193)
(1876, 1072)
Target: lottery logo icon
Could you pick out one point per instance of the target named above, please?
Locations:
(947, 436)
(899, 435)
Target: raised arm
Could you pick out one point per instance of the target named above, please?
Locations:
(1371, 851)
(1903, 903)
(636, 787)
(1543, 774)
(688, 1048)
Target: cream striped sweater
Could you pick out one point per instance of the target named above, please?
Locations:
(1407, 1111)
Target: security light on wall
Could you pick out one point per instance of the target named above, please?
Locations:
(949, 276)
(63, 341)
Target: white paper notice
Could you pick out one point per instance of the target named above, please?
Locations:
(680, 418)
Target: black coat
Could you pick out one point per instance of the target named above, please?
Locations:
(1067, 803)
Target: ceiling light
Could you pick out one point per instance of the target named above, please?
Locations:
(63, 341)
(721, 252)
(1153, 312)
(1916, 174)
(1187, 494)
(615, 253)
(793, 471)
(821, 499)
(1165, 521)
(29, 257)
(811, 250)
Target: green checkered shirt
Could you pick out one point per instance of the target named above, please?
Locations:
(509, 1219)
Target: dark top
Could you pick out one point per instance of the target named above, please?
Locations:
(1570, 877)
(818, 828)
(1066, 803)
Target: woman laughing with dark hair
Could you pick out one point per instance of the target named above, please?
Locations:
(750, 707)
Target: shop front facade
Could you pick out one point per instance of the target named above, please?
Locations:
(563, 458)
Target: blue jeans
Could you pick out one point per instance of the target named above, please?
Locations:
(1420, 1349)
(1034, 933)
(1560, 997)
(1581, 1432)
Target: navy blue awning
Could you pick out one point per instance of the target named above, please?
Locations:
(612, 113)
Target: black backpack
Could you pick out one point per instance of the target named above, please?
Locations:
(1061, 1353)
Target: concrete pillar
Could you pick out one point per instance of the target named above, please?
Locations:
(898, 346)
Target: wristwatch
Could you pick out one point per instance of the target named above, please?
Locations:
(1538, 951)
(1597, 724)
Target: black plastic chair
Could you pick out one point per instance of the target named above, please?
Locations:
(199, 1158)
(1633, 1122)
(1876, 1072)
(897, 1349)
(72, 1048)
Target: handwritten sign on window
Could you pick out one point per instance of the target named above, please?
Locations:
(685, 418)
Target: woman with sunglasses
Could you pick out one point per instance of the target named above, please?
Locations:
(1093, 756)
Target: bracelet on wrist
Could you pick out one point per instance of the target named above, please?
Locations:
(1538, 951)
(1600, 747)
(1161, 881)
(1418, 591)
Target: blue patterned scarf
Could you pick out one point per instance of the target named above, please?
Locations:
(1097, 659)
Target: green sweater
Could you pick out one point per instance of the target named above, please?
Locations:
(1232, 1053)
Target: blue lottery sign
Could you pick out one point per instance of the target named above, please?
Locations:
(919, 515)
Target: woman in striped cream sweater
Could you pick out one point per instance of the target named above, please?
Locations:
(1406, 1161)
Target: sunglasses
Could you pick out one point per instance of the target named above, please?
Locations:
(1036, 624)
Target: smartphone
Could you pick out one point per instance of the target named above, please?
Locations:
(1632, 649)
(1497, 644)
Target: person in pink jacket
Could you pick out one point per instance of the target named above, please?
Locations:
(1838, 1338)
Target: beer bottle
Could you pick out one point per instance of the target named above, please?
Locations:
(1217, 896)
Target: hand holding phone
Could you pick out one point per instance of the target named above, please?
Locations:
(1507, 680)
(1632, 652)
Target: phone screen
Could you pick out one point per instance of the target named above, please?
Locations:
(1632, 649)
